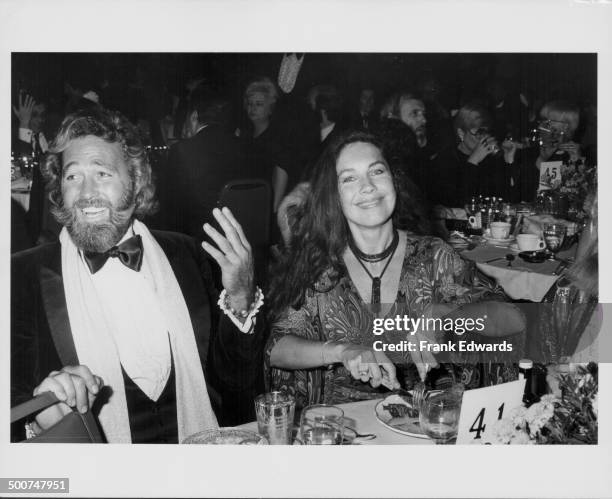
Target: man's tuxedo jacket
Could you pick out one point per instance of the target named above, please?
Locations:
(38, 314)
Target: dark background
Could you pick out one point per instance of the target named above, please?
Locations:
(461, 76)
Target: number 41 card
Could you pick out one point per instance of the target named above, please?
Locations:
(483, 407)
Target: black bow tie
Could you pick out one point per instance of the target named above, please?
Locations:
(129, 253)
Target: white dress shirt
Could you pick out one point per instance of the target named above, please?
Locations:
(140, 332)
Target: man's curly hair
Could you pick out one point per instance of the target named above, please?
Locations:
(112, 127)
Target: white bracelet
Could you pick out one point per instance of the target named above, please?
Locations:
(247, 315)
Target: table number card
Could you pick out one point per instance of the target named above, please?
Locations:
(481, 408)
(550, 174)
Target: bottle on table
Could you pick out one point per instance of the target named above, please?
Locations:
(534, 378)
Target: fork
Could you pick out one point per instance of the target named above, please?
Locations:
(417, 394)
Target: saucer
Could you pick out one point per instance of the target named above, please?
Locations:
(498, 242)
(533, 256)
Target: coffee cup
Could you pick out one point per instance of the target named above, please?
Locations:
(475, 221)
(500, 230)
(529, 242)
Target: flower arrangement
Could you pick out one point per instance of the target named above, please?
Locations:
(577, 181)
(569, 419)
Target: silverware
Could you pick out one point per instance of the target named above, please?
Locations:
(495, 259)
(418, 395)
(361, 436)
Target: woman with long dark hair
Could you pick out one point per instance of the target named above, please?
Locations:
(356, 255)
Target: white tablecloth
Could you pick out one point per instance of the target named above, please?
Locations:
(361, 417)
(522, 281)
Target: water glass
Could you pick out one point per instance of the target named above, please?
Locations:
(275, 411)
(439, 417)
(322, 425)
(554, 234)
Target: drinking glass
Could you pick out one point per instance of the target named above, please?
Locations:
(275, 411)
(554, 234)
(439, 417)
(322, 425)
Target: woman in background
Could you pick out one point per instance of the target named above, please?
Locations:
(477, 165)
(264, 144)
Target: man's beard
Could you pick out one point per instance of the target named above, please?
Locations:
(97, 236)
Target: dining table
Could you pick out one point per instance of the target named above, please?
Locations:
(361, 418)
(520, 280)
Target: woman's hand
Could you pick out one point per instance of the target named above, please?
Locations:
(546, 151)
(509, 147)
(75, 386)
(573, 149)
(235, 258)
(368, 365)
(486, 146)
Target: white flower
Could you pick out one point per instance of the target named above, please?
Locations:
(517, 415)
(538, 415)
(549, 398)
(594, 404)
(502, 432)
(521, 438)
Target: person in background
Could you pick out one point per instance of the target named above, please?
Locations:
(410, 142)
(30, 142)
(326, 102)
(559, 122)
(200, 165)
(358, 225)
(364, 115)
(121, 320)
(264, 142)
(477, 164)
(556, 127)
(509, 110)
(31, 114)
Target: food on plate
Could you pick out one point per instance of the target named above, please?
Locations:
(401, 410)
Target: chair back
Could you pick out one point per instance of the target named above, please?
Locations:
(250, 200)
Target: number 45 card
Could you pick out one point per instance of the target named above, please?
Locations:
(550, 174)
(483, 407)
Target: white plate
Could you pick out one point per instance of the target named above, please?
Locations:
(404, 425)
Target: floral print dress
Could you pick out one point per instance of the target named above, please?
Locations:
(432, 272)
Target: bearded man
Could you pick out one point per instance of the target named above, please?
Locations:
(121, 320)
